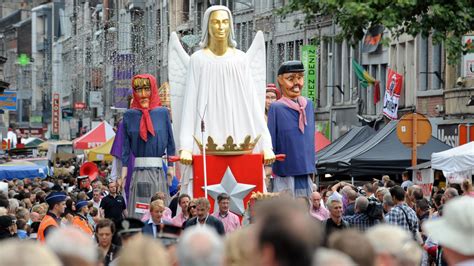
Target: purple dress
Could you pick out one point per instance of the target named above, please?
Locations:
(116, 151)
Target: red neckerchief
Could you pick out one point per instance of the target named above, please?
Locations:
(299, 106)
(146, 125)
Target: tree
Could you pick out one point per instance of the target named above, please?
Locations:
(446, 20)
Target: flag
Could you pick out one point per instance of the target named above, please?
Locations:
(392, 94)
(365, 79)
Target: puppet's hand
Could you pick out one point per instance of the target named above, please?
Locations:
(186, 157)
(268, 157)
(169, 175)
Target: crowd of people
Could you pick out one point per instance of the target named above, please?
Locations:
(60, 222)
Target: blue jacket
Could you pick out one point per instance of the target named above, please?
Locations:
(211, 221)
(288, 139)
(148, 228)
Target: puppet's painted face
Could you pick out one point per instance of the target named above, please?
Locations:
(270, 97)
(291, 84)
(219, 25)
(142, 91)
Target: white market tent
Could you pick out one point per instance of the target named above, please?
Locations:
(456, 163)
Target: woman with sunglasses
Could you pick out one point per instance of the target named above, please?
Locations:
(191, 210)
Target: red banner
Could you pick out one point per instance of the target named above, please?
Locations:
(466, 133)
(237, 176)
(55, 112)
(392, 94)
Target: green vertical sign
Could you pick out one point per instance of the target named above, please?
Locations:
(309, 57)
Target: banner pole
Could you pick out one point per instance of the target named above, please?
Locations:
(204, 160)
(414, 160)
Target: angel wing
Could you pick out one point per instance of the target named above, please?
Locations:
(178, 61)
(257, 63)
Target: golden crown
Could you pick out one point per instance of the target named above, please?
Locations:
(229, 147)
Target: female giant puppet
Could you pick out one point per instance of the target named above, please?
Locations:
(220, 85)
(148, 136)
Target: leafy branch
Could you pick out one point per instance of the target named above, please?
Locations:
(445, 20)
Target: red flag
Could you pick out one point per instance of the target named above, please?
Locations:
(377, 92)
(392, 94)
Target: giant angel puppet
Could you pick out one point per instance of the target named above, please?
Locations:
(219, 85)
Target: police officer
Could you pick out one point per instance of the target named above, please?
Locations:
(57, 204)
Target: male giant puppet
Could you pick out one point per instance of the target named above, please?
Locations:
(148, 136)
(291, 124)
(220, 85)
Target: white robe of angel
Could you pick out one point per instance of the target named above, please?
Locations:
(228, 93)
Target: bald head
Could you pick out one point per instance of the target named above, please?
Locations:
(361, 204)
(316, 200)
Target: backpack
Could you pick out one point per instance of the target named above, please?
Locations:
(375, 210)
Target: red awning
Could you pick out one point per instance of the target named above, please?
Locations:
(320, 141)
(94, 138)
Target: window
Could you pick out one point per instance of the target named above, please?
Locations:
(250, 33)
(243, 45)
(324, 73)
(200, 13)
(185, 10)
(430, 60)
(298, 47)
(158, 25)
(336, 72)
(281, 53)
(290, 48)
(238, 5)
(237, 34)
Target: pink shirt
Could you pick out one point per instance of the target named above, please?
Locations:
(320, 214)
(166, 215)
(179, 219)
(231, 221)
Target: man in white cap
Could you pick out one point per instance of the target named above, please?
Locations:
(454, 231)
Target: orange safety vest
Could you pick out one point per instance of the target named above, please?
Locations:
(82, 224)
(45, 223)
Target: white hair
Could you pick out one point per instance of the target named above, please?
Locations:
(15, 252)
(331, 200)
(393, 240)
(14, 204)
(324, 256)
(71, 242)
(200, 246)
(205, 26)
(382, 190)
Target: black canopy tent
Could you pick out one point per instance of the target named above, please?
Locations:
(389, 156)
(349, 141)
(378, 154)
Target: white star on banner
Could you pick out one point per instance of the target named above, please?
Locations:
(236, 191)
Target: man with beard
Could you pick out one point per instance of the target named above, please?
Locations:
(291, 125)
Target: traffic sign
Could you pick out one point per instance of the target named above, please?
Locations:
(414, 130)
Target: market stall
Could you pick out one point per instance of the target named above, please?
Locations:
(457, 163)
(95, 138)
(101, 153)
(22, 170)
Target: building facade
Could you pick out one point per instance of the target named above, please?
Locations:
(86, 51)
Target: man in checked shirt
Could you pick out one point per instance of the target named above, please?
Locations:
(401, 214)
(360, 219)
